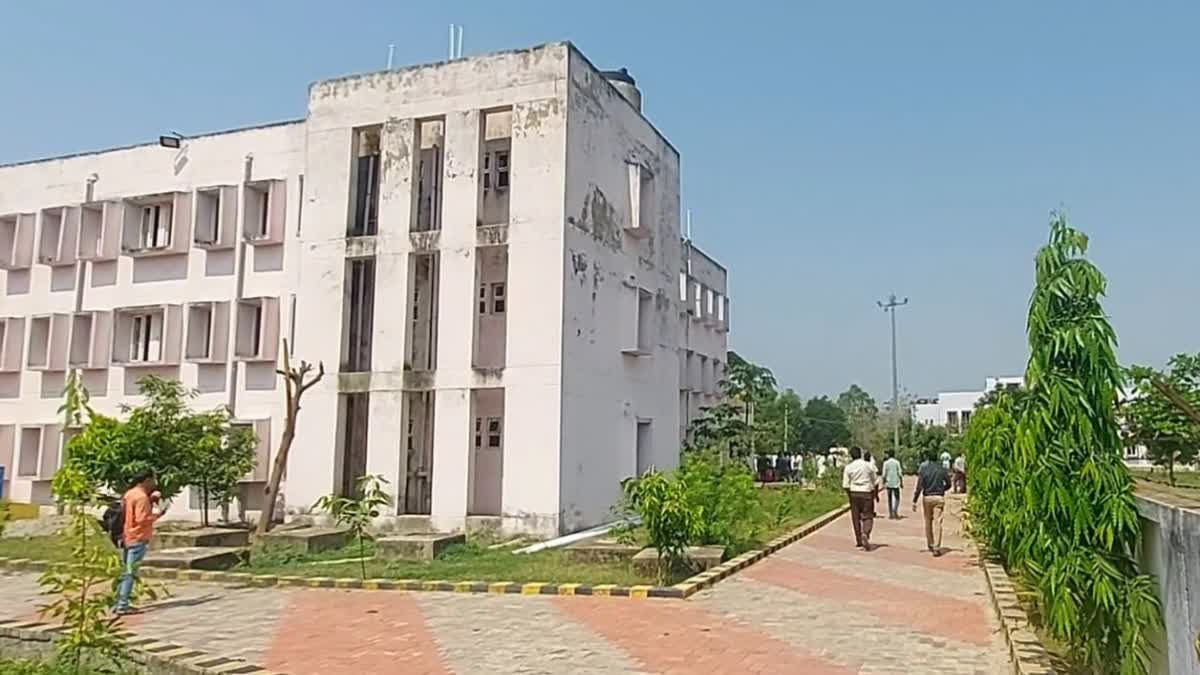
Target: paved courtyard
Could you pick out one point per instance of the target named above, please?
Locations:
(817, 607)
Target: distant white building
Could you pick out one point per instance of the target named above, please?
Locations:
(952, 409)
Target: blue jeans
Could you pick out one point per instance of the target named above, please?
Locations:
(893, 502)
(133, 556)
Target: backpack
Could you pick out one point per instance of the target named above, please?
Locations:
(113, 521)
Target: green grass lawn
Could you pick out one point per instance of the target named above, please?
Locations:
(469, 562)
(1187, 479)
(54, 547)
(790, 507)
(783, 509)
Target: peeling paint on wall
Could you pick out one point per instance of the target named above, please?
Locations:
(425, 242)
(397, 153)
(600, 219)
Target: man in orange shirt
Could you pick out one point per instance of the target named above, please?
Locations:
(137, 533)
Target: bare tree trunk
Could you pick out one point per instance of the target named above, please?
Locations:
(295, 385)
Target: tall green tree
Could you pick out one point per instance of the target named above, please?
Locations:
(825, 425)
(862, 415)
(750, 387)
(1152, 419)
(1072, 528)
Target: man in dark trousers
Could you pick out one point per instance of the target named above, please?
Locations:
(933, 479)
(860, 479)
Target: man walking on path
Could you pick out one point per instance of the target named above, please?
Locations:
(960, 474)
(893, 480)
(861, 480)
(932, 482)
(137, 533)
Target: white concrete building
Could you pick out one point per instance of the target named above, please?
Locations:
(953, 409)
(485, 253)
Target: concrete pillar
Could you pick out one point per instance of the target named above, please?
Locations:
(456, 319)
(386, 431)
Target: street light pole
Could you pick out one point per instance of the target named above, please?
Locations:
(890, 306)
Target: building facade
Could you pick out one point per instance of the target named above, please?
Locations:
(953, 409)
(484, 253)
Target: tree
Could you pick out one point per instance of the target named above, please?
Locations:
(220, 459)
(1052, 494)
(357, 511)
(162, 435)
(297, 380)
(1154, 420)
(862, 415)
(825, 425)
(748, 385)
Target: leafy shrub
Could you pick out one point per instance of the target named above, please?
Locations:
(725, 493)
(356, 513)
(672, 520)
(3, 514)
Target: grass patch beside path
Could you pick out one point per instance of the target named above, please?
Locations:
(54, 548)
(787, 508)
(782, 510)
(1183, 478)
(468, 562)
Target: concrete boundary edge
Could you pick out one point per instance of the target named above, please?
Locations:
(679, 591)
(25, 639)
(1029, 655)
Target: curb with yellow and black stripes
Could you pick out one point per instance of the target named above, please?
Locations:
(679, 591)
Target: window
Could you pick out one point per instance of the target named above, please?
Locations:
(966, 419)
(495, 170)
(491, 299)
(502, 170)
(683, 286)
(498, 299)
(263, 217)
(208, 217)
(199, 339)
(145, 338)
(494, 434)
(249, 328)
(478, 432)
(156, 226)
(952, 420)
(366, 208)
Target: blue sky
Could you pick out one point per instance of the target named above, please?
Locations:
(833, 152)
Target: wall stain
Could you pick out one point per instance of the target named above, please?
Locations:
(600, 219)
(579, 263)
(396, 153)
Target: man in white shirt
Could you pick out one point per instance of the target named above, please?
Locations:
(860, 479)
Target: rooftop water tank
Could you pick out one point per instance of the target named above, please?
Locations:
(624, 82)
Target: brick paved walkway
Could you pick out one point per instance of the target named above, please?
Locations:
(818, 607)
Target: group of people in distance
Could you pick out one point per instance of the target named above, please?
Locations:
(863, 482)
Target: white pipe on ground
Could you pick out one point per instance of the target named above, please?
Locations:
(575, 538)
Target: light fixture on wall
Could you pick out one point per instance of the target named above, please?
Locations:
(172, 140)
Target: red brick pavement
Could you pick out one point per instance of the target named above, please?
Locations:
(783, 615)
(678, 638)
(327, 633)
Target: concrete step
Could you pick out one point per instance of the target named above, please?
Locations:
(196, 557)
(202, 536)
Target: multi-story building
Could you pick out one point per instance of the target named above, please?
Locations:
(953, 409)
(485, 254)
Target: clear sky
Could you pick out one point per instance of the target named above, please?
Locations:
(833, 152)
